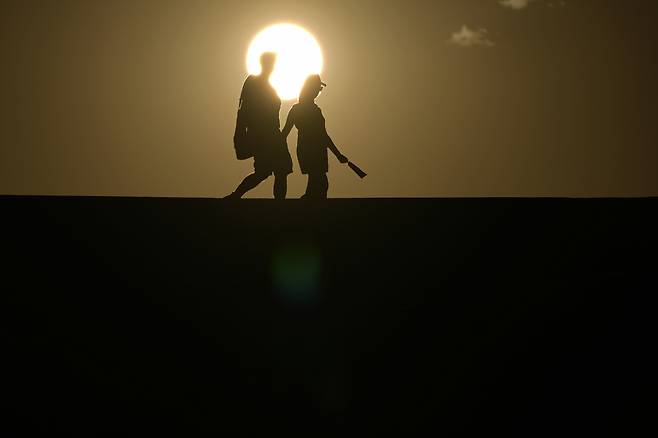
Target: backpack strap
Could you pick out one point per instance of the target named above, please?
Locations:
(246, 90)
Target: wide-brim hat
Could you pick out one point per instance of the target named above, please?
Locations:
(315, 80)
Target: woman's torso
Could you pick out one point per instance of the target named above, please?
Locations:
(311, 139)
(310, 124)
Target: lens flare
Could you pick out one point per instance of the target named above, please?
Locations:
(296, 272)
(298, 56)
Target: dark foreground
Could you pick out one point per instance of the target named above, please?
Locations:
(414, 317)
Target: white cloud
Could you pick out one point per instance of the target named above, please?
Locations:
(471, 38)
(517, 5)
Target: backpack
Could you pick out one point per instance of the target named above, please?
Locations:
(242, 141)
(243, 144)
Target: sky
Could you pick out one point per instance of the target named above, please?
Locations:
(443, 98)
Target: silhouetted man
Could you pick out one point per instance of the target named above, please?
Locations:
(258, 130)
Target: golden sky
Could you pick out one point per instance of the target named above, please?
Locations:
(431, 98)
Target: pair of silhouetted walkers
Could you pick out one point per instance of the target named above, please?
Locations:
(258, 135)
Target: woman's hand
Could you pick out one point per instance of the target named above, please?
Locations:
(342, 158)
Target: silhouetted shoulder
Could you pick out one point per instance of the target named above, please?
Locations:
(247, 87)
(250, 79)
(306, 108)
(294, 110)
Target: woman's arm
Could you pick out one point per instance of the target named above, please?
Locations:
(332, 146)
(290, 122)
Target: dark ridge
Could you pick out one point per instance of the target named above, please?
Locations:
(408, 316)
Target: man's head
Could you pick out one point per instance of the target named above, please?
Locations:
(267, 63)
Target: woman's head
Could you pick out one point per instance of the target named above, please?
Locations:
(312, 88)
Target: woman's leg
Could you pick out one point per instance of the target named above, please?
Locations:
(317, 187)
(280, 185)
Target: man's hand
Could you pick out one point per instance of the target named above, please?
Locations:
(342, 158)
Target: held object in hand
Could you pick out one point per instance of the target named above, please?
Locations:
(357, 170)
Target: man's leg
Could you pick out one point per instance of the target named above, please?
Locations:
(280, 185)
(247, 184)
(323, 186)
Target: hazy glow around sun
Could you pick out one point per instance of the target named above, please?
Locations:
(299, 55)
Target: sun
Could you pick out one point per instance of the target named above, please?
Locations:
(299, 55)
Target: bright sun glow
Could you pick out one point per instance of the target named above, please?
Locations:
(299, 55)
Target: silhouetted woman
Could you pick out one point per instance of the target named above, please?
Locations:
(258, 120)
(313, 140)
